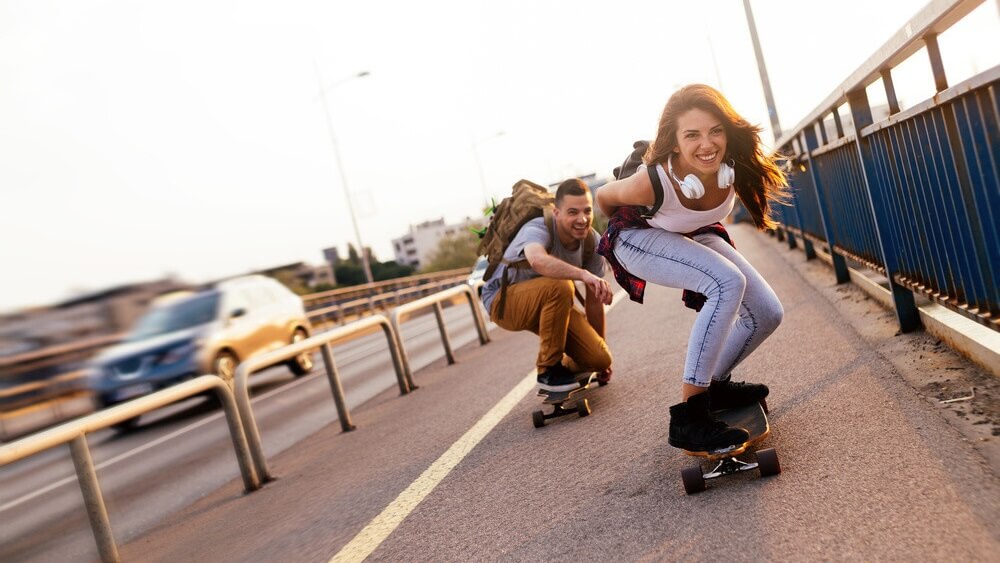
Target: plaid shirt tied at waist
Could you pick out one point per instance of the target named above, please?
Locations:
(628, 218)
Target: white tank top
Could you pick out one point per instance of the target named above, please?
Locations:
(674, 217)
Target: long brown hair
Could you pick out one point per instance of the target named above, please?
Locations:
(759, 179)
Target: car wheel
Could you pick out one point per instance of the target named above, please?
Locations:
(224, 366)
(303, 363)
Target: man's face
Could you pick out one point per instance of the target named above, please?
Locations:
(573, 216)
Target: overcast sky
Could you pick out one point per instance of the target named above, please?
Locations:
(142, 138)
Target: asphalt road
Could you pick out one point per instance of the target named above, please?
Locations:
(183, 452)
(873, 470)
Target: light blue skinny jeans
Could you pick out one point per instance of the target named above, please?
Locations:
(741, 311)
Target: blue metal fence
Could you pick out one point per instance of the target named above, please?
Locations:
(808, 218)
(915, 196)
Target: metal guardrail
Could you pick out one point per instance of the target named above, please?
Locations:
(18, 396)
(236, 404)
(324, 341)
(58, 354)
(75, 434)
(41, 364)
(371, 304)
(456, 293)
(915, 196)
(394, 292)
(375, 288)
(80, 346)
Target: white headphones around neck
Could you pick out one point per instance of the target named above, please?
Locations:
(691, 186)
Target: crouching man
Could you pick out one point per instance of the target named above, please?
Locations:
(540, 265)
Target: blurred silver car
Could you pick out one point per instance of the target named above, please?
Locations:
(211, 331)
(478, 270)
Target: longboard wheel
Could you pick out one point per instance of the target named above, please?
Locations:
(538, 418)
(583, 409)
(767, 462)
(694, 481)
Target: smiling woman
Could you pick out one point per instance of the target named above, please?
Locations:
(684, 245)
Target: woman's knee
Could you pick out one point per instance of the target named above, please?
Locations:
(730, 285)
(772, 315)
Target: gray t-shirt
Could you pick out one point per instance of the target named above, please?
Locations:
(535, 231)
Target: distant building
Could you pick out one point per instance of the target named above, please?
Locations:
(332, 256)
(418, 246)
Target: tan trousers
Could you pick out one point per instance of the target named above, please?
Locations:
(545, 307)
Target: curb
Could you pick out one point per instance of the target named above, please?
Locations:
(972, 340)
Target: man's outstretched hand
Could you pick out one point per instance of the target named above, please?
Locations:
(598, 287)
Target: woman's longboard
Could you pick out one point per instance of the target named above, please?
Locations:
(568, 402)
(753, 419)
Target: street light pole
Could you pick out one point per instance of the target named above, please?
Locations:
(479, 164)
(764, 82)
(340, 165)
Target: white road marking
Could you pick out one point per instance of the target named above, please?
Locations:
(372, 536)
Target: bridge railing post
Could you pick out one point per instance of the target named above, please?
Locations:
(810, 143)
(905, 306)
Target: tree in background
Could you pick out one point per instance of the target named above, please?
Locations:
(349, 274)
(352, 255)
(453, 252)
(390, 270)
(351, 271)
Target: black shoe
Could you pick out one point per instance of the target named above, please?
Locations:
(557, 378)
(733, 394)
(693, 427)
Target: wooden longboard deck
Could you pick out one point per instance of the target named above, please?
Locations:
(750, 418)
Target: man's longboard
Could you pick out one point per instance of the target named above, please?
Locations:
(753, 419)
(568, 402)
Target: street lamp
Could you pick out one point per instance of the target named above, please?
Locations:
(772, 112)
(340, 163)
(479, 163)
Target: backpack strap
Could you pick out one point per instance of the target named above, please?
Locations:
(631, 166)
(588, 249)
(654, 178)
(550, 226)
(588, 253)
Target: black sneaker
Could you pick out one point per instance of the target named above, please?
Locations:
(693, 427)
(733, 394)
(557, 378)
